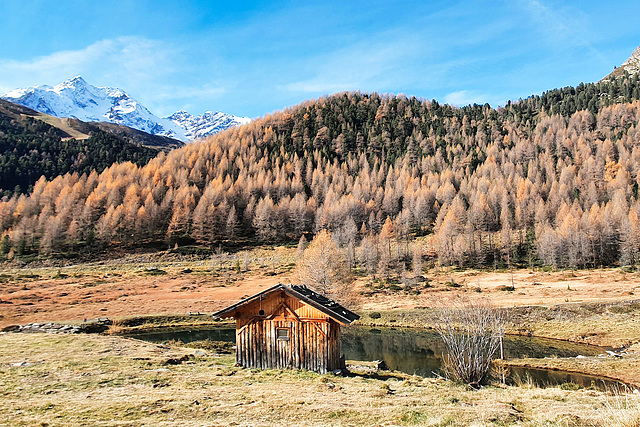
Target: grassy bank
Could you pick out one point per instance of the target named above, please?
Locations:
(101, 380)
(140, 324)
(612, 324)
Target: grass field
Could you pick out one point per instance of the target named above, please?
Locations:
(67, 380)
(149, 290)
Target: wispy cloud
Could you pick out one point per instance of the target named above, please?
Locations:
(464, 97)
(367, 64)
(143, 67)
(562, 28)
(128, 57)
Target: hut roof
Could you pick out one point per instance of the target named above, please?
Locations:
(303, 293)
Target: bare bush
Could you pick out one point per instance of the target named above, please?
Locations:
(472, 331)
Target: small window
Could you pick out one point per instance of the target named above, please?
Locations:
(261, 312)
(282, 334)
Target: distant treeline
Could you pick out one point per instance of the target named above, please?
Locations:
(550, 179)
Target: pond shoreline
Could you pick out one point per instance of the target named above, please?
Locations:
(594, 353)
(626, 369)
(517, 363)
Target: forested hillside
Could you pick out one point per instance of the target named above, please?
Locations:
(31, 148)
(551, 179)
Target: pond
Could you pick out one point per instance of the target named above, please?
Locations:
(420, 352)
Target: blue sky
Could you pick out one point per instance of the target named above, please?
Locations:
(251, 58)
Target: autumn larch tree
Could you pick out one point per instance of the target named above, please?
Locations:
(322, 267)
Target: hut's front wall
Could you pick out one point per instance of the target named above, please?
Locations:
(312, 341)
(312, 346)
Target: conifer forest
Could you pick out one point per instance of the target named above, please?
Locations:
(548, 180)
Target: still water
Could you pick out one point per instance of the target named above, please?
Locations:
(417, 351)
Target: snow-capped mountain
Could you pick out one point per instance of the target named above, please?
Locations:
(206, 124)
(76, 98)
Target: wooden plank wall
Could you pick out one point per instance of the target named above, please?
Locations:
(312, 345)
(314, 338)
(272, 304)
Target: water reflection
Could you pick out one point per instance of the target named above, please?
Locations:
(226, 334)
(420, 352)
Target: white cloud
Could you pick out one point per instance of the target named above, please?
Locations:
(463, 97)
(372, 64)
(128, 57)
(144, 68)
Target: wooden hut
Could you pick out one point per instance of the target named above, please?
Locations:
(288, 326)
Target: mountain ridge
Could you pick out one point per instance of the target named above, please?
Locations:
(78, 99)
(631, 65)
(74, 128)
(35, 145)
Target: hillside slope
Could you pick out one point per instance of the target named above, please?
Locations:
(550, 179)
(630, 66)
(33, 144)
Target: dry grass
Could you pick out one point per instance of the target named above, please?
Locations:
(145, 291)
(133, 285)
(625, 368)
(103, 380)
(622, 409)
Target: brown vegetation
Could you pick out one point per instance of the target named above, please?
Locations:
(94, 380)
(493, 188)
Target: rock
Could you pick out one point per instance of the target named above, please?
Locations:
(176, 361)
(199, 353)
(20, 364)
(381, 365)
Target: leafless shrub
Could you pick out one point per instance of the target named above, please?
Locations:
(472, 331)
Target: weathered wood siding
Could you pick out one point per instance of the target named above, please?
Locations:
(313, 343)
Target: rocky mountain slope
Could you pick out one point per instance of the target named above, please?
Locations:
(631, 65)
(209, 123)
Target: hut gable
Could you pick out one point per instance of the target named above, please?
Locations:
(296, 300)
(288, 326)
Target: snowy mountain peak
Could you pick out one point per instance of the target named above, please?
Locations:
(76, 82)
(77, 98)
(206, 124)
